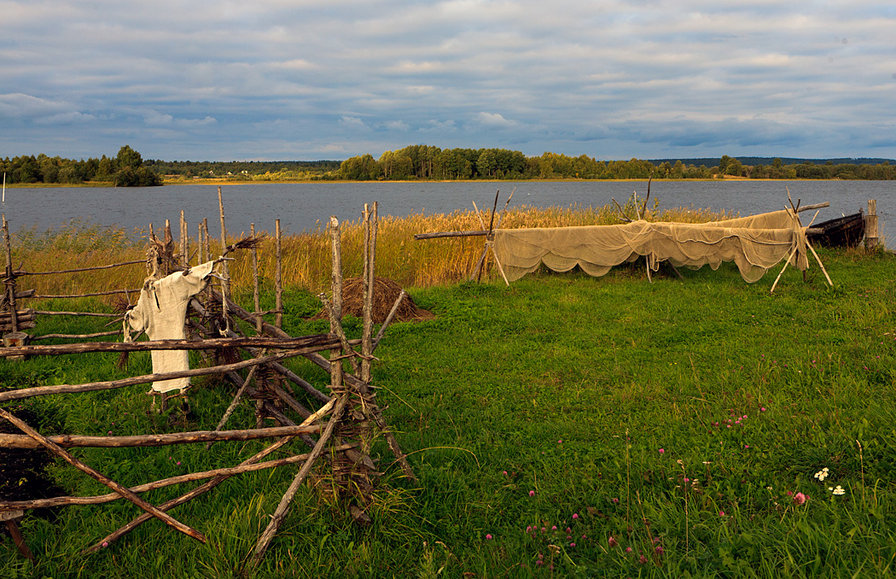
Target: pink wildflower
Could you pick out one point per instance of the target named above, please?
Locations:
(800, 498)
(488, 537)
(612, 541)
(531, 493)
(662, 451)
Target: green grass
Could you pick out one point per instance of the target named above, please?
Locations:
(562, 401)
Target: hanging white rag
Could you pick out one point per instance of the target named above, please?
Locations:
(161, 312)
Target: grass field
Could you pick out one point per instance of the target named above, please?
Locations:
(564, 426)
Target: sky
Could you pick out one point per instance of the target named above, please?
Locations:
(297, 80)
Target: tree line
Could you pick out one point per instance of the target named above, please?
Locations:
(126, 169)
(423, 162)
(426, 162)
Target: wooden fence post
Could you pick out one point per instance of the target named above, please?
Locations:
(872, 239)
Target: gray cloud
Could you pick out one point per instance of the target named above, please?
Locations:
(282, 79)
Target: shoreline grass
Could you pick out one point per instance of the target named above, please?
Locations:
(306, 256)
(564, 426)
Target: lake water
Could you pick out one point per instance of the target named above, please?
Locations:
(305, 206)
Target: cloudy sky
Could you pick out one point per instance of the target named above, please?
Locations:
(329, 79)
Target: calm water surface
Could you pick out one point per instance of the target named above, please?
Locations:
(306, 206)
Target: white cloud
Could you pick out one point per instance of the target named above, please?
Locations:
(494, 120)
(397, 126)
(352, 122)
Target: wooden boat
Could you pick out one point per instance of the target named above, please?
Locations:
(846, 231)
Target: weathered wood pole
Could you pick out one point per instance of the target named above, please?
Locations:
(225, 269)
(204, 237)
(278, 277)
(872, 240)
(10, 281)
(9, 517)
(256, 293)
(225, 284)
(184, 240)
(196, 436)
(370, 231)
(80, 269)
(336, 288)
(283, 508)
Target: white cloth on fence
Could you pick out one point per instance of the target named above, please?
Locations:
(161, 312)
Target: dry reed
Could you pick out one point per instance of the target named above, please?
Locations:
(306, 257)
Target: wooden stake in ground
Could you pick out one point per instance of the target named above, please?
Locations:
(10, 517)
(786, 263)
(370, 231)
(236, 399)
(256, 294)
(278, 277)
(184, 241)
(204, 240)
(10, 281)
(283, 508)
(872, 240)
(225, 270)
(336, 288)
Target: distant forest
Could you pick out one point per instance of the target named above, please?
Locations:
(422, 162)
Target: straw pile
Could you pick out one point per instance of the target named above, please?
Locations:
(385, 292)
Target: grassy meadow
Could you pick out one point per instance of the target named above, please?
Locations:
(564, 426)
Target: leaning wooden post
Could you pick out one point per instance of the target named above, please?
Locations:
(786, 263)
(10, 517)
(283, 508)
(871, 236)
(10, 280)
(278, 277)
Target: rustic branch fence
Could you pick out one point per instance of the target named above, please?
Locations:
(342, 428)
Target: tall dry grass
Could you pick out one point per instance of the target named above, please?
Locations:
(306, 256)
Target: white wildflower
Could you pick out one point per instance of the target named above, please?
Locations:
(822, 474)
(839, 490)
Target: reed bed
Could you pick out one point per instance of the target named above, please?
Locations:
(306, 256)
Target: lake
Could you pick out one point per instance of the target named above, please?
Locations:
(306, 206)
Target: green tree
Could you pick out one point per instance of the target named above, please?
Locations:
(128, 157)
(105, 169)
(363, 168)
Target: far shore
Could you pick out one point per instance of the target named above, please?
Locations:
(223, 182)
